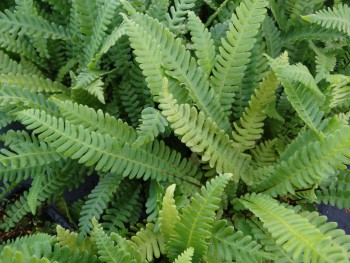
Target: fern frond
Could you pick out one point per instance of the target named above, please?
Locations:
(202, 43)
(300, 88)
(303, 241)
(264, 154)
(108, 252)
(107, 154)
(34, 191)
(158, 9)
(154, 200)
(196, 220)
(152, 124)
(67, 255)
(202, 135)
(70, 239)
(235, 51)
(9, 65)
(150, 244)
(10, 255)
(177, 15)
(303, 167)
(179, 65)
(186, 256)
(249, 130)
(272, 37)
(97, 202)
(230, 245)
(338, 194)
(31, 25)
(218, 32)
(32, 83)
(336, 18)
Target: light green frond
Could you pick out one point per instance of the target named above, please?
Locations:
(93, 120)
(10, 255)
(25, 6)
(234, 54)
(178, 14)
(336, 18)
(67, 238)
(155, 161)
(186, 256)
(310, 164)
(32, 83)
(170, 53)
(233, 246)
(303, 241)
(158, 9)
(13, 99)
(337, 194)
(196, 219)
(329, 229)
(34, 191)
(97, 202)
(150, 244)
(295, 8)
(202, 135)
(9, 65)
(168, 215)
(202, 43)
(152, 124)
(301, 88)
(31, 25)
(66, 254)
(249, 130)
(106, 248)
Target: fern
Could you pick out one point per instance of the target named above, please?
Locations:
(153, 123)
(196, 232)
(158, 9)
(186, 256)
(228, 245)
(234, 55)
(308, 240)
(34, 192)
(199, 134)
(337, 18)
(178, 14)
(97, 202)
(12, 256)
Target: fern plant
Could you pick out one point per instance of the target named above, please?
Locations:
(213, 127)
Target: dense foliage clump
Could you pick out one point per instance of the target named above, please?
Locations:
(213, 127)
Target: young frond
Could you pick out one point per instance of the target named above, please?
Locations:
(303, 241)
(337, 17)
(234, 54)
(186, 256)
(202, 135)
(196, 219)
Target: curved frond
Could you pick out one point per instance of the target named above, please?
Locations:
(170, 53)
(338, 18)
(235, 51)
(97, 202)
(196, 220)
(202, 135)
(152, 124)
(32, 83)
(155, 161)
(303, 241)
(177, 15)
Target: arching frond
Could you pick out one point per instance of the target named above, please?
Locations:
(309, 241)
(336, 17)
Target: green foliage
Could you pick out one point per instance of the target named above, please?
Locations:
(207, 123)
